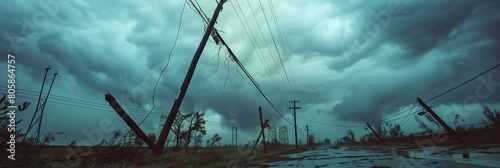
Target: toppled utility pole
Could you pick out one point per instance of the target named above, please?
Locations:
(438, 119)
(185, 84)
(138, 132)
(379, 138)
(258, 138)
(446, 127)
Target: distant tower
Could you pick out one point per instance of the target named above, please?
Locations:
(163, 118)
(283, 133)
(272, 134)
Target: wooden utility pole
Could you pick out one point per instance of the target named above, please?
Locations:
(438, 119)
(262, 127)
(295, 120)
(258, 138)
(43, 107)
(185, 84)
(307, 135)
(138, 132)
(37, 104)
(379, 138)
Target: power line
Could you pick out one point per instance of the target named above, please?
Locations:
(59, 101)
(69, 99)
(168, 62)
(409, 113)
(256, 46)
(404, 122)
(276, 47)
(462, 83)
(386, 120)
(287, 60)
(235, 59)
(265, 41)
(439, 95)
(333, 125)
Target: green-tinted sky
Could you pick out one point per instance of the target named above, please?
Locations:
(348, 62)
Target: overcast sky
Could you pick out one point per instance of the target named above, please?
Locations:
(348, 62)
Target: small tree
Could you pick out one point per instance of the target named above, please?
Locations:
(396, 131)
(369, 137)
(115, 138)
(351, 134)
(5, 120)
(49, 138)
(216, 138)
(7, 128)
(177, 127)
(492, 117)
(72, 143)
(196, 126)
(327, 141)
(381, 131)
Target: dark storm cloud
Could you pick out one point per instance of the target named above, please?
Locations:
(427, 46)
(121, 47)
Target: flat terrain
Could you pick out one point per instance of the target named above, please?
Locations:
(379, 156)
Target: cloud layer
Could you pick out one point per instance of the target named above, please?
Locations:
(348, 61)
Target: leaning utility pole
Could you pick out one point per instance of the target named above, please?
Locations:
(262, 127)
(258, 138)
(185, 84)
(379, 138)
(130, 122)
(438, 119)
(37, 104)
(295, 120)
(43, 108)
